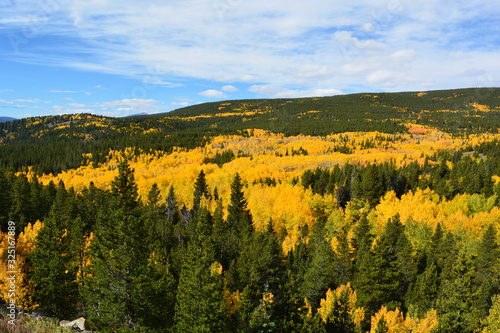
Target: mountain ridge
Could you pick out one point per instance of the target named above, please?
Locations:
(69, 139)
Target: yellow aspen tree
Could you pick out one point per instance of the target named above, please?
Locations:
(338, 309)
(24, 245)
(394, 320)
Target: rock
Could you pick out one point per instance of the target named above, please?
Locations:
(79, 324)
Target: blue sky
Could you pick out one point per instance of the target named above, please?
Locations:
(118, 58)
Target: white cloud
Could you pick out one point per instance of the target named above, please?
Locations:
(269, 43)
(180, 103)
(404, 55)
(367, 45)
(212, 93)
(76, 105)
(6, 90)
(125, 107)
(29, 100)
(70, 109)
(367, 27)
(229, 88)
(280, 92)
(67, 99)
(386, 78)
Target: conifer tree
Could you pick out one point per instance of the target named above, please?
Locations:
(5, 200)
(119, 256)
(200, 190)
(423, 294)
(55, 269)
(362, 241)
(372, 185)
(381, 274)
(343, 264)
(200, 306)
(488, 270)
(456, 297)
(320, 275)
(20, 209)
(239, 217)
(239, 231)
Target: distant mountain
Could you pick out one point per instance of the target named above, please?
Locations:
(138, 114)
(5, 119)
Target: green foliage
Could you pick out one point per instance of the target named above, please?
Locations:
(55, 268)
(119, 257)
(199, 306)
(384, 272)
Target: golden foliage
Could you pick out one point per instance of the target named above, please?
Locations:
(23, 288)
(396, 323)
(426, 324)
(492, 322)
(334, 299)
(465, 214)
(216, 269)
(394, 320)
(269, 155)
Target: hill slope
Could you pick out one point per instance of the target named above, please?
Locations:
(57, 143)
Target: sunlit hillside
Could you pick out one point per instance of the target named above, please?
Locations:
(311, 214)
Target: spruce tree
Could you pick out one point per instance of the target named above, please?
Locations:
(320, 275)
(372, 185)
(239, 231)
(488, 270)
(55, 270)
(5, 201)
(239, 217)
(200, 190)
(424, 292)
(200, 306)
(119, 256)
(381, 274)
(456, 297)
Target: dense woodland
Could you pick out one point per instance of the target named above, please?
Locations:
(392, 240)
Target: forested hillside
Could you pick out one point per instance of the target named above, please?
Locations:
(356, 213)
(56, 143)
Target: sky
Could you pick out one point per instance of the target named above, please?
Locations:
(118, 58)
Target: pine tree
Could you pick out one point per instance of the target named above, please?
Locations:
(239, 217)
(200, 306)
(381, 273)
(200, 190)
(488, 270)
(55, 270)
(239, 232)
(456, 297)
(119, 254)
(20, 210)
(363, 239)
(343, 264)
(423, 294)
(372, 185)
(5, 200)
(320, 275)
